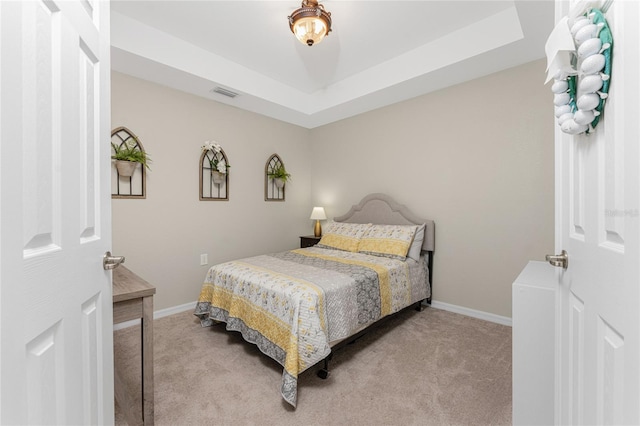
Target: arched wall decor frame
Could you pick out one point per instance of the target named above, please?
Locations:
(134, 186)
(273, 190)
(214, 186)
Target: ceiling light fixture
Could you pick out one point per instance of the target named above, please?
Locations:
(310, 23)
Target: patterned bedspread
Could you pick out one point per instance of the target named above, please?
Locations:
(294, 304)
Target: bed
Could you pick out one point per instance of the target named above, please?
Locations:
(300, 305)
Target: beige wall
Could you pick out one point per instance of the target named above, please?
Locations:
(477, 158)
(163, 235)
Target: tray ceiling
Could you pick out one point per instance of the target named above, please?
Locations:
(379, 52)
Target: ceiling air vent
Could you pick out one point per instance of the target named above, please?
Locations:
(224, 92)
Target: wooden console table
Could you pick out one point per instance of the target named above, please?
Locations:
(133, 300)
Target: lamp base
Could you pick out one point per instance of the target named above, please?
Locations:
(317, 229)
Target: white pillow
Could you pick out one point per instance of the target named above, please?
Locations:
(416, 244)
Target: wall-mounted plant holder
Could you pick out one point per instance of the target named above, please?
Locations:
(214, 185)
(131, 183)
(274, 185)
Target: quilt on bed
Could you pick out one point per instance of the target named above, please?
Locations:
(293, 304)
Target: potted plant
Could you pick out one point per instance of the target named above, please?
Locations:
(279, 175)
(127, 156)
(217, 162)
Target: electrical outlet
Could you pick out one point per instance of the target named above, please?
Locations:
(204, 259)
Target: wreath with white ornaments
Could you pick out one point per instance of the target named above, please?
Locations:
(580, 93)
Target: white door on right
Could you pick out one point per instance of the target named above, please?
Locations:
(598, 224)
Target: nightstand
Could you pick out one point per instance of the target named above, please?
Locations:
(308, 241)
(133, 300)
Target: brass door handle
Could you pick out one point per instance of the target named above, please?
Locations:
(111, 262)
(559, 260)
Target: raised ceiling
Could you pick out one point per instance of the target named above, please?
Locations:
(379, 52)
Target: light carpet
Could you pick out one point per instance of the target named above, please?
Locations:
(419, 368)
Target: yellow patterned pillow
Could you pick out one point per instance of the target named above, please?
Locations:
(388, 240)
(343, 236)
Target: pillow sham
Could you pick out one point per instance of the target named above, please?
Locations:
(388, 240)
(416, 245)
(343, 236)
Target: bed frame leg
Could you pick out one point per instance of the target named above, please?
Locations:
(323, 373)
(419, 306)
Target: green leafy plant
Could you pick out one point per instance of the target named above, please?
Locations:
(279, 173)
(129, 151)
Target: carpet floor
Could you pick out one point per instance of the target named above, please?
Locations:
(419, 368)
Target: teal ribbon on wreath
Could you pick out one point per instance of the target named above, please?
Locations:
(605, 37)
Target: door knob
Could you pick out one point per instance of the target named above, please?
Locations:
(111, 262)
(559, 260)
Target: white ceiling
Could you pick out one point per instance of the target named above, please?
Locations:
(379, 52)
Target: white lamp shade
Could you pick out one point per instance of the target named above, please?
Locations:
(318, 213)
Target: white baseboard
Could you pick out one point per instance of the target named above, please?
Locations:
(158, 314)
(434, 304)
(472, 313)
(174, 310)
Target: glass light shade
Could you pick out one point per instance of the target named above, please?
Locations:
(310, 23)
(318, 213)
(310, 30)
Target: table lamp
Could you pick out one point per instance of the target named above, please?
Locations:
(318, 214)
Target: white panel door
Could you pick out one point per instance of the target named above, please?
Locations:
(597, 223)
(56, 353)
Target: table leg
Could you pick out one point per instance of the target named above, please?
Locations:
(124, 401)
(147, 360)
